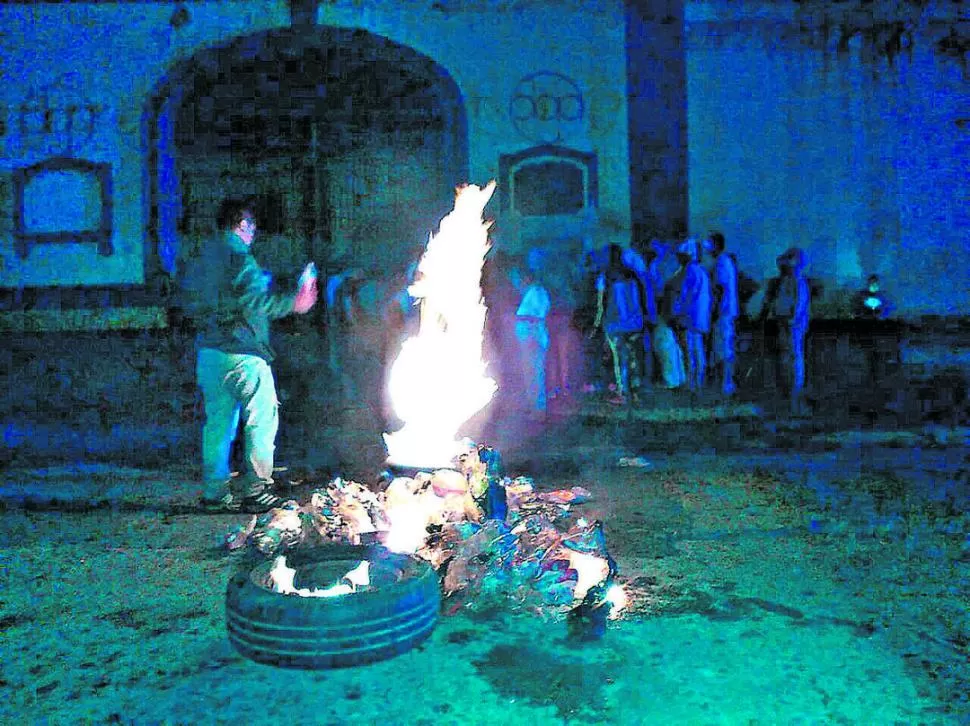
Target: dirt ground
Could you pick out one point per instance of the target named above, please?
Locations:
(826, 583)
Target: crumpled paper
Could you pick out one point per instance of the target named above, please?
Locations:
(543, 557)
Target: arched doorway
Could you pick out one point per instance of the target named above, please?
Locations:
(350, 143)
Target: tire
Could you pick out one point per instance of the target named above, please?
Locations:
(290, 631)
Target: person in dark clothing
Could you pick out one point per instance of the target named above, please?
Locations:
(871, 303)
(502, 299)
(229, 298)
(621, 302)
(644, 260)
(788, 301)
(879, 341)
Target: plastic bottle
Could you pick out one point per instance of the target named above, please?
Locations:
(309, 273)
(496, 503)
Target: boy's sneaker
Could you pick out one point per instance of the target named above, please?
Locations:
(259, 503)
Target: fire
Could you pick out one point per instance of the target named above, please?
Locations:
(281, 580)
(438, 380)
(409, 522)
(618, 599)
(591, 570)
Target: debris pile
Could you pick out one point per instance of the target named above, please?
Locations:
(493, 540)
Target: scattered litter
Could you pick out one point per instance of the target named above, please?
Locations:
(575, 495)
(635, 461)
(237, 536)
(493, 540)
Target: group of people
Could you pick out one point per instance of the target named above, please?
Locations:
(641, 316)
(667, 331)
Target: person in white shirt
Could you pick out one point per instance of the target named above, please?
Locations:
(532, 336)
(725, 309)
(688, 309)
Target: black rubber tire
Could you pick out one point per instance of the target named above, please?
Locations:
(290, 631)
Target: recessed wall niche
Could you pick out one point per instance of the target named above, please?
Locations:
(62, 200)
(548, 180)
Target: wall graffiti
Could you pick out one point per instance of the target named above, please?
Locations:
(546, 107)
(55, 118)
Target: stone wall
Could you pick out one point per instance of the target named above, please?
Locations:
(77, 82)
(656, 62)
(808, 127)
(89, 80)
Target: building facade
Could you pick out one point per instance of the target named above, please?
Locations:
(125, 123)
(839, 127)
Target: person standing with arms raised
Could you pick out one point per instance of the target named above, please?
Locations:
(233, 306)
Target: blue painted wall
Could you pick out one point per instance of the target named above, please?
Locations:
(113, 57)
(861, 161)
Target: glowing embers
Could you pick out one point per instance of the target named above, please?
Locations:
(438, 380)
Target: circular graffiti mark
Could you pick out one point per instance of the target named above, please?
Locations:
(546, 106)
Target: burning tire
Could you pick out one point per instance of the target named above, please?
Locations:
(333, 632)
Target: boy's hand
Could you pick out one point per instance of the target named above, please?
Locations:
(306, 296)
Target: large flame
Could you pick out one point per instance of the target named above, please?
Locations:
(438, 380)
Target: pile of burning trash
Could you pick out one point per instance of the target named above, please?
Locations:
(492, 539)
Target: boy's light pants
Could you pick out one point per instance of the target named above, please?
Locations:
(234, 385)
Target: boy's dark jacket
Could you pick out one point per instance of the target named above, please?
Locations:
(226, 294)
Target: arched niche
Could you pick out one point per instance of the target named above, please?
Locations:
(62, 200)
(549, 180)
(347, 138)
